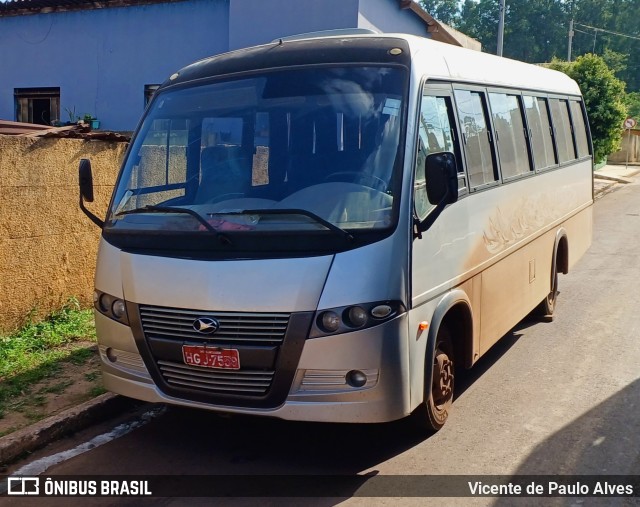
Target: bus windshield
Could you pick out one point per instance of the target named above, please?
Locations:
(305, 150)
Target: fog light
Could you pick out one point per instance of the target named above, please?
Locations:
(103, 303)
(96, 297)
(119, 309)
(355, 378)
(329, 322)
(111, 355)
(356, 316)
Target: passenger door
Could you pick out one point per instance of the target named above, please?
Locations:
(437, 132)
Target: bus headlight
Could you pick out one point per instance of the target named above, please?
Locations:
(329, 322)
(355, 317)
(111, 306)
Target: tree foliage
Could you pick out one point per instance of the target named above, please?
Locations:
(604, 98)
(538, 30)
(443, 10)
(632, 101)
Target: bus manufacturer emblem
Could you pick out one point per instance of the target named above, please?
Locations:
(206, 325)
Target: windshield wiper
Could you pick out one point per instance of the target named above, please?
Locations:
(170, 209)
(293, 211)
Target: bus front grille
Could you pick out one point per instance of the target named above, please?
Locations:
(175, 323)
(258, 337)
(220, 381)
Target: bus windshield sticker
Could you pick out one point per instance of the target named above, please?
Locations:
(391, 107)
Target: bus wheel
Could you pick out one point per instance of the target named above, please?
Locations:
(439, 397)
(548, 305)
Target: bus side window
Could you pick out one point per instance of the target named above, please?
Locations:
(435, 135)
(472, 113)
(510, 135)
(562, 128)
(579, 128)
(540, 132)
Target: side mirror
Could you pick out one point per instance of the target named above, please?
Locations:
(85, 181)
(442, 178)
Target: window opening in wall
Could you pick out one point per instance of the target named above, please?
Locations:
(37, 105)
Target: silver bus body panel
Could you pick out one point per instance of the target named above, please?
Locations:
(376, 272)
(463, 243)
(257, 285)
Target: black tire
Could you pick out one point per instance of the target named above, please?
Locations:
(439, 389)
(548, 305)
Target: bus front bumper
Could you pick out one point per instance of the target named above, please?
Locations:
(319, 392)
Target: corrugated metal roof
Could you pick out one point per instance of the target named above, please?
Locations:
(80, 131)
(19, 128)
(19, 7)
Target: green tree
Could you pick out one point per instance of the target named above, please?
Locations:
(632, 101)
(443, 10)
(535, 30)
(603, 98)
(479, 19)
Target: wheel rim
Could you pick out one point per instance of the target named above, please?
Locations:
(442, 386)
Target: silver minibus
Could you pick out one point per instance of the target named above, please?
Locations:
(327, 228)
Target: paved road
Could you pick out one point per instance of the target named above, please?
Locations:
(561, 397)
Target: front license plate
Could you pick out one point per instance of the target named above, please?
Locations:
(211, 357)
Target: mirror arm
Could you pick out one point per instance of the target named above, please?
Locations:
(417, 227)
(91, 216)
(433, 216)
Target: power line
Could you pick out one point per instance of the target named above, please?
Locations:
(595, 29)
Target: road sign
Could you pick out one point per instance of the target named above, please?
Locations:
(629, 123)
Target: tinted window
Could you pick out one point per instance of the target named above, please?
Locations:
(537, 112)
(562, 129)
(435, 136)
(474, 126)
(579, 129)
(323, 142)
(509, 126)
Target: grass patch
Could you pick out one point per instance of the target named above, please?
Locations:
(7, 431)
(39, 350)
(97, 391)
(81, 356)
(57, 388)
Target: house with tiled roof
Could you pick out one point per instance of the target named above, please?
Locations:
(64, 60)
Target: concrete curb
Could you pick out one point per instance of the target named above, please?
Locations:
(618, 179)
(68, 421)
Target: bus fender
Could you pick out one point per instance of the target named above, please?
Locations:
(453, 298)
(563, 267)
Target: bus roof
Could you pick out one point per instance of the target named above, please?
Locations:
(464, 65)
(435, 60)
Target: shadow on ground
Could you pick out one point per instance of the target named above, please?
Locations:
(605, 441)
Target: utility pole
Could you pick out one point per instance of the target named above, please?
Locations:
(570, 40)
(571, 32)
(501, 28)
